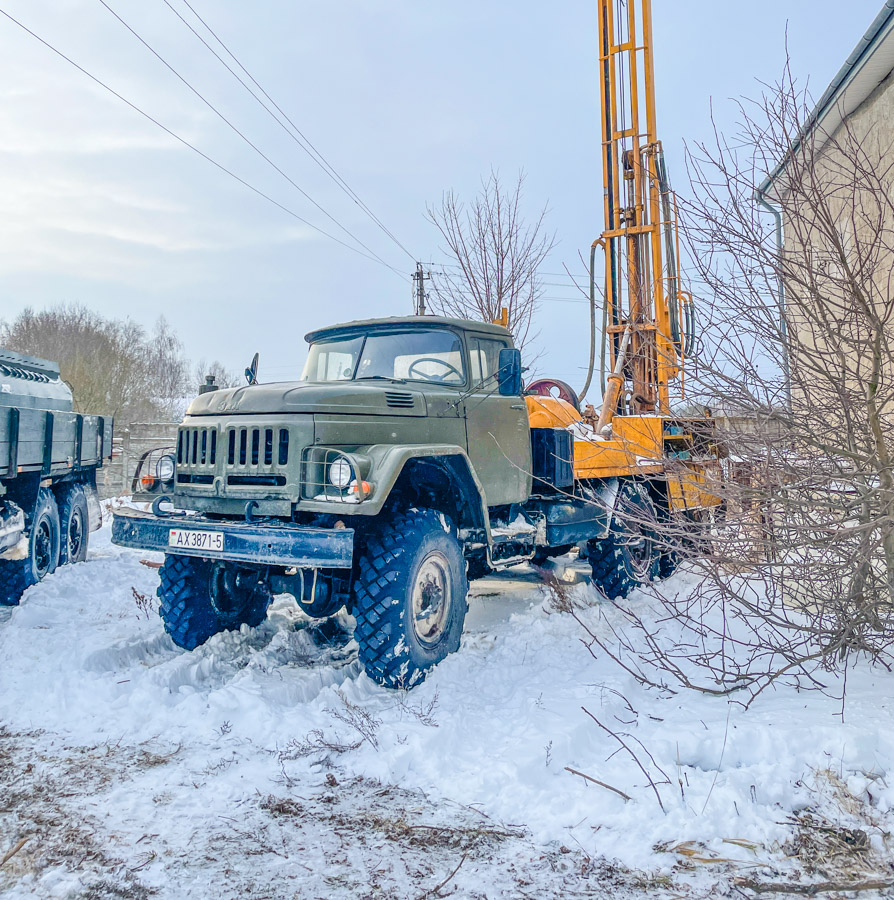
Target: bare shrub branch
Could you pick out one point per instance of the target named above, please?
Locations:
(494, 256)
(792, 578)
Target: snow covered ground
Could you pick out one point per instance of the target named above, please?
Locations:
(265, 764)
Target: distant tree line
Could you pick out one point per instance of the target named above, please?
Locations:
(114, 366)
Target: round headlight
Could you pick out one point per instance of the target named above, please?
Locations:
(164, 468)
(340, 473)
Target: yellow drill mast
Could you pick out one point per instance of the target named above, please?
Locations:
(647, 321)
(644, 306)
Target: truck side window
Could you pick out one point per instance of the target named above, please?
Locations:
(485, 357)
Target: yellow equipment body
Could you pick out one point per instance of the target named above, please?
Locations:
(681, 451)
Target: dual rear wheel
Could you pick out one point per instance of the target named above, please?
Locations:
(58, 535)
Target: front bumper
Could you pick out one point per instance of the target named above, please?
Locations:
(256, 542)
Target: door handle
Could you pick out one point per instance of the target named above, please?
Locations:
(519, 406)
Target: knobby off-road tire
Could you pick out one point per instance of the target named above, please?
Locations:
(670, 540)
(74, 524)
(631, 554)
(43, 552)
(410, 597)
(200, 598)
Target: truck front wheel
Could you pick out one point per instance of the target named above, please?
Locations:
(43, 552)
(409, 597)
(199, 598)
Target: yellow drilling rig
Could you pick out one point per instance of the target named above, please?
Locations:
(648, 323)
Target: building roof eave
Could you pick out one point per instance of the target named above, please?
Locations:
(869, 63)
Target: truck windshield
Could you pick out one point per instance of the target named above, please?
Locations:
(429, 355)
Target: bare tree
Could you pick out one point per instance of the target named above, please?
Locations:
(494, 255)
(798, 577)
(169, 371)
(223, 377)
(113, 367)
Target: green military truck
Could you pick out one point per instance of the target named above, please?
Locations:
(49, 456)
(402, 465)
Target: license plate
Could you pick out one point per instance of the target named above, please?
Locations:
(196, 540)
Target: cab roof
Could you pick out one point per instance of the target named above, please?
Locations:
(406, 322)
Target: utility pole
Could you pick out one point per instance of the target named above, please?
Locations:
(419, 294)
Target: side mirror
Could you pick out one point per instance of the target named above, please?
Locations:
(509, 375)
(251, 373)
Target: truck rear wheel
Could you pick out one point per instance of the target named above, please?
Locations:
(43, 552)
(631, 554)
(200, 598)
(409, 597)
(74, 525)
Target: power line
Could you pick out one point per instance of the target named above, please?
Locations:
(572, 281)
(185, 142)
(298, 136)
(247, 140)
(545, 299)
(447, 265)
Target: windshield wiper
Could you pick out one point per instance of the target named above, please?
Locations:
(380, 377)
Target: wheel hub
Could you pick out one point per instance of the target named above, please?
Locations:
(637, 539)
(640, 548)
(43, 548)
(431, 598)
(75, 535)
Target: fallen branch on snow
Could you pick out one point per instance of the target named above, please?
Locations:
(11, 853)
(635, 758)
(438, 887)
(811, 890)
(597, 781)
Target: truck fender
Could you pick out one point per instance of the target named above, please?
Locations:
(392, 463)
(605, 495)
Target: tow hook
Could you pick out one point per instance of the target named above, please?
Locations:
(156, 506)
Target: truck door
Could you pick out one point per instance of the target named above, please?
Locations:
(497, 429)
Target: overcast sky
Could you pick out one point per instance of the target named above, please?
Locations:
(404, 99)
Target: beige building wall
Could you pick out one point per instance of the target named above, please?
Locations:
(838, 215)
